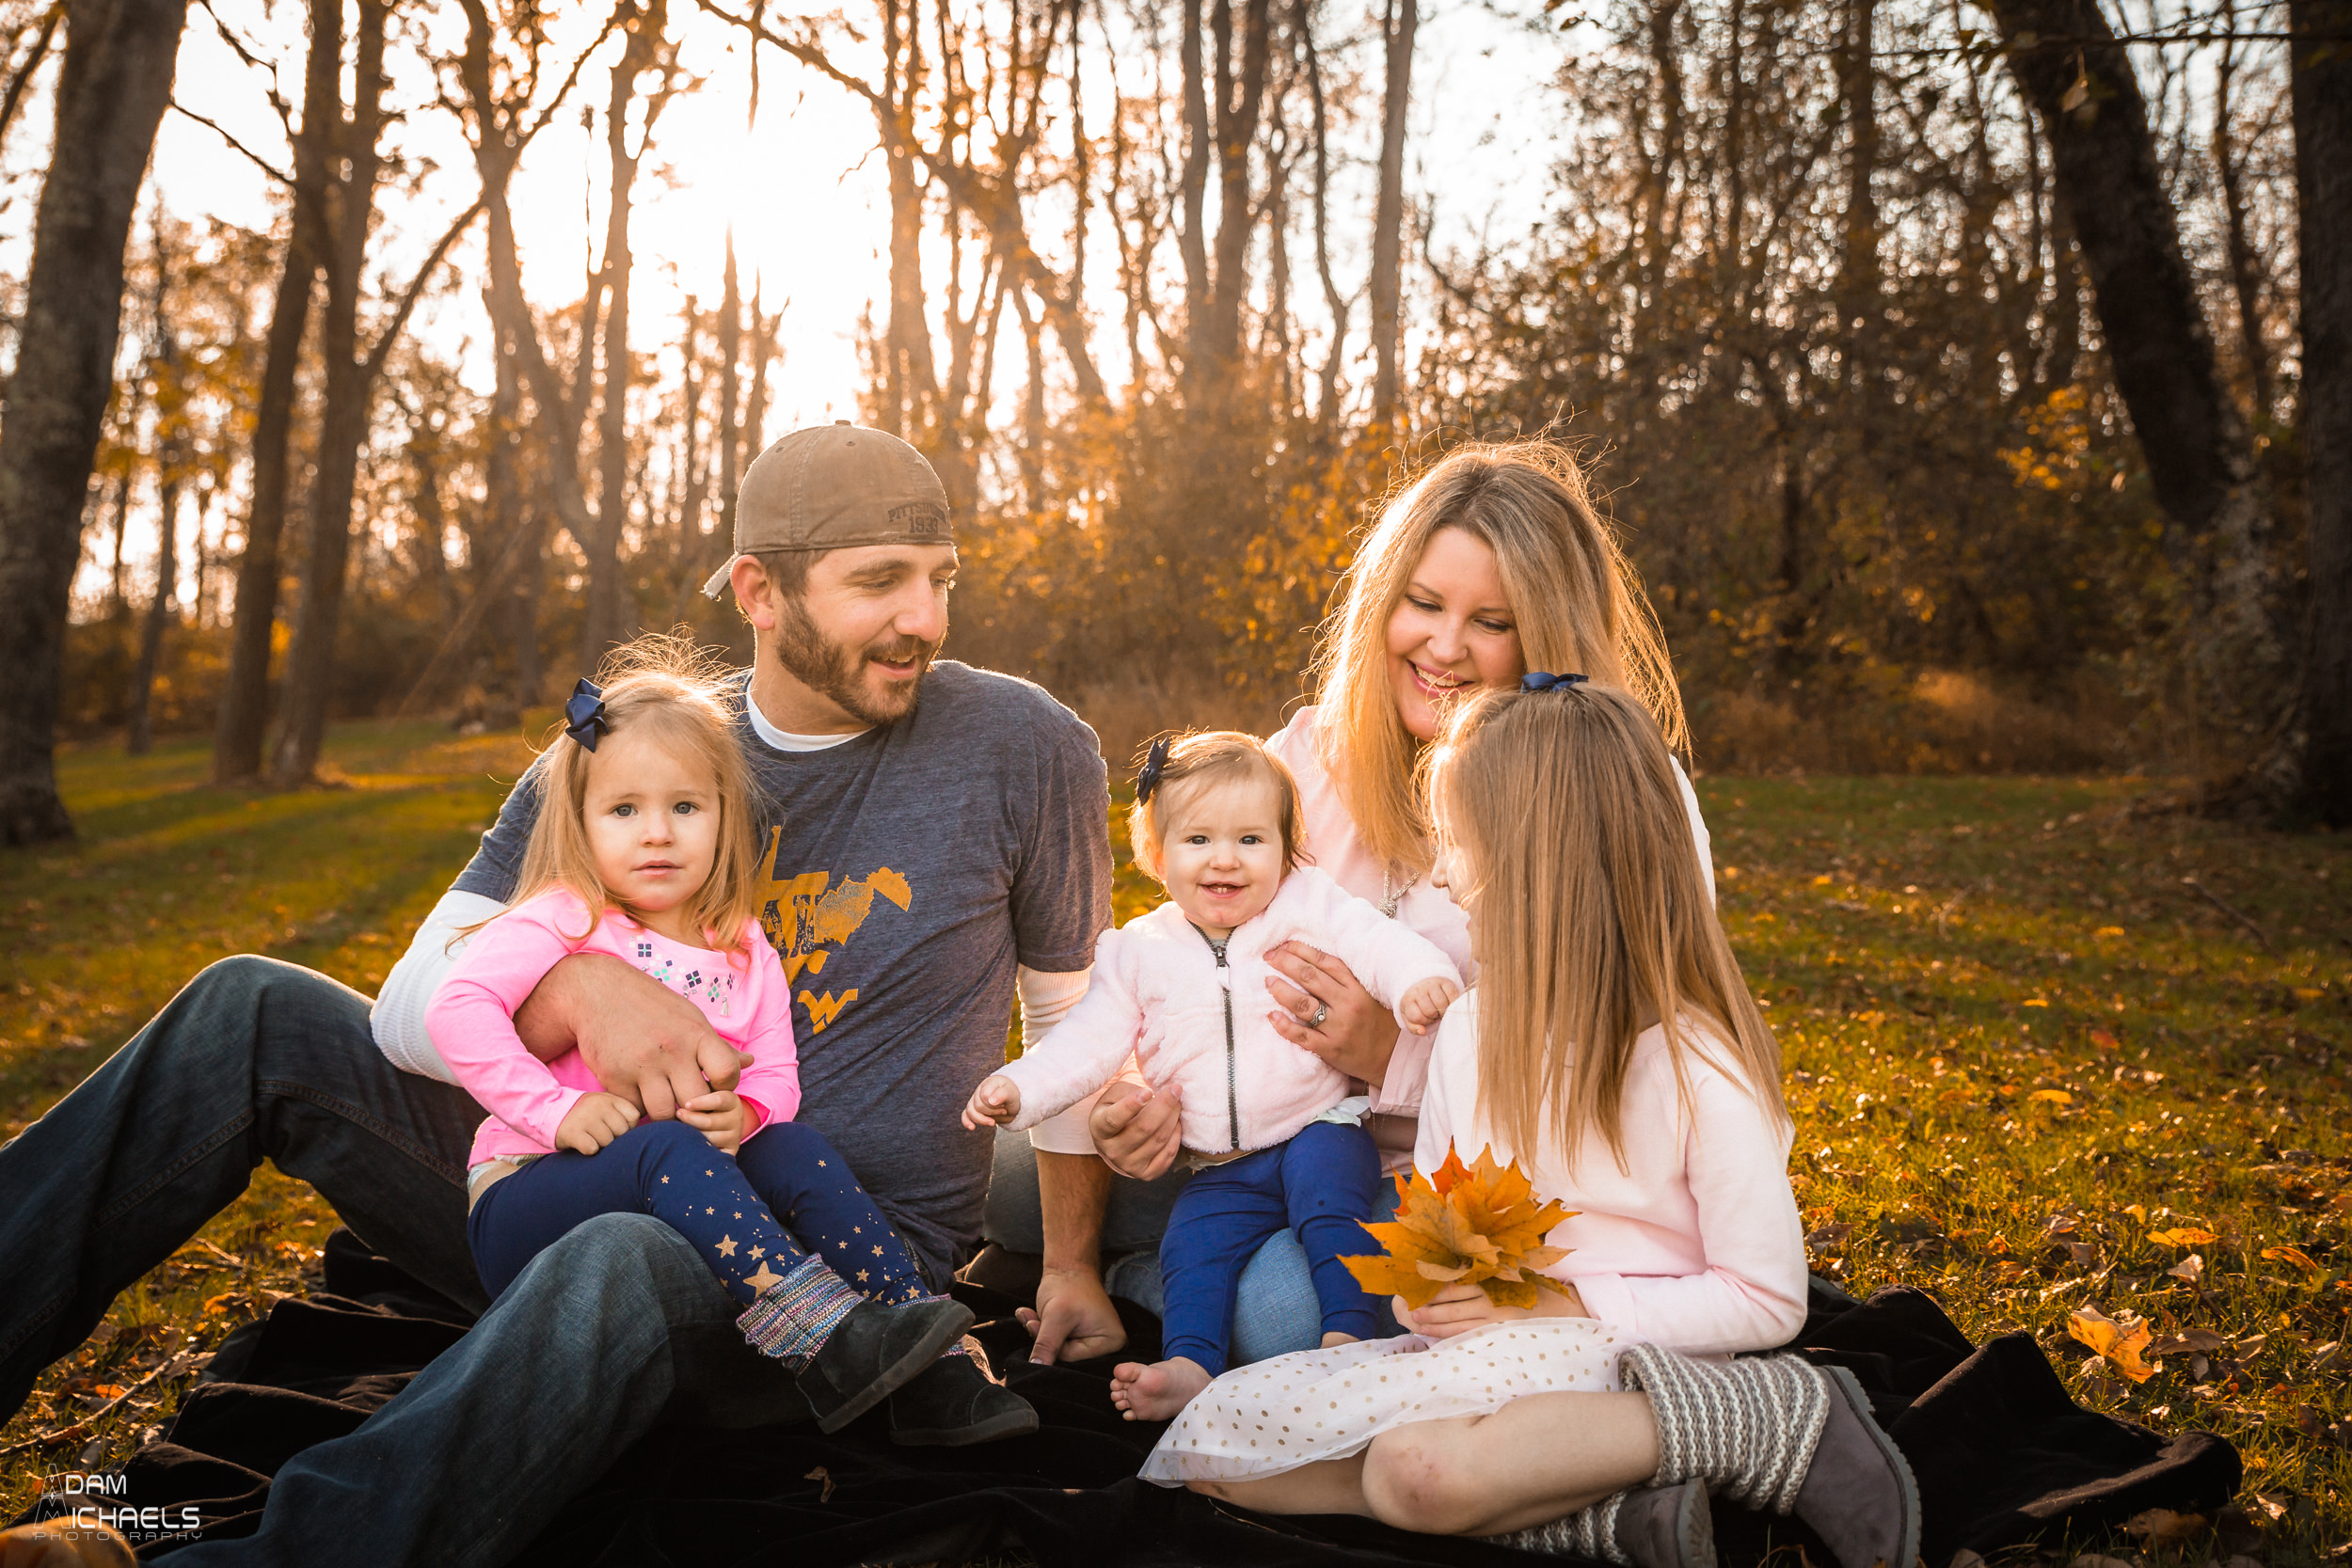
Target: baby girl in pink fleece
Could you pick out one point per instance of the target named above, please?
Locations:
(1274, 1139)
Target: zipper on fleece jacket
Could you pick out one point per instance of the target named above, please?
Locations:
(1225, 983)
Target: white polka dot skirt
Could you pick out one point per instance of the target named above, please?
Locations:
(1315, 1404)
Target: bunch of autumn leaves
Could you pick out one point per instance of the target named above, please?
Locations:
(1479, 1224)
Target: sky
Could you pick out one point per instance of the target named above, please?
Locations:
(803, 189)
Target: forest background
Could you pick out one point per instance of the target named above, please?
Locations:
(1964, 380)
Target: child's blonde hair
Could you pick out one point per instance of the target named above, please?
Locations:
(1209, 756)
(1575, 602)
(685, 698)
(1588, 911)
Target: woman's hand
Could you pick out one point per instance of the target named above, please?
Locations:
(1137, 1130)
(1356, 1035)
(719, 1116)
(1458, 1309)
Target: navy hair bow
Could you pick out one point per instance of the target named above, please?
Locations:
(584, 719)
(1538, 680)
(1154, 763)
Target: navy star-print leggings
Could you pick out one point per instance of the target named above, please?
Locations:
(724, 1204)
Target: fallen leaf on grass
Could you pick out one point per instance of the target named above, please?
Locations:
(2294, 1255)
(2052, 1097)
(2092, 1560)
(2162, 1526)
(2118, 1343)
(2191, 1267)
(2186, 1235)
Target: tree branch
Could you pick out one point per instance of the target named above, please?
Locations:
(258, 161)
(374, 361)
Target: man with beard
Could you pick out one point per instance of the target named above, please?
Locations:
(936, 844)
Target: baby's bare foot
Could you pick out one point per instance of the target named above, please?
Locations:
(1157, 1393)
(1336, 1337)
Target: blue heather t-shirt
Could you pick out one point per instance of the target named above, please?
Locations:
(907, 872)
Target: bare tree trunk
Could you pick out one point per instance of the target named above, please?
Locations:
(110, 96)
(730, 433)
(1398, 21)
(1327, 406)
(1192, 238)
(1031, 451)
(1240, 99)
(244, 715)
(2322, 87)
(2198, 455)
(138, 731)
(1858, 274)
(2245, 282)
(608, 619)
(344, 413)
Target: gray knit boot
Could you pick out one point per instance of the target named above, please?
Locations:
(1649, 1526)
(1781, 1435)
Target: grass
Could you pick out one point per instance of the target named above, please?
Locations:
(2044, 1050)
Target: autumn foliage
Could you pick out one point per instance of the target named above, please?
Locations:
(1481, 1225)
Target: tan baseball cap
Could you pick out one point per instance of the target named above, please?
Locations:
(829, 486)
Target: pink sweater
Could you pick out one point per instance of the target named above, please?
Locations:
(1157, 991)
(472, 1018)
(1695, 1245)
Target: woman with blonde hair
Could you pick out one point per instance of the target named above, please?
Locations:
(1491, 562)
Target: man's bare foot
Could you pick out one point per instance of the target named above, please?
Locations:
(1157, 1393)
(1336, 1337)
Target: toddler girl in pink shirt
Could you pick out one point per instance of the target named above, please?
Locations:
(643, 850)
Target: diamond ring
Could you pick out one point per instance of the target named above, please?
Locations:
(1323, 1010)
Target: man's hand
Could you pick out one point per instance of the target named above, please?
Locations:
(594, 1120)
(719, 1116)
(643, 1041)
(1074, 1318)
(1137, 1130)
(1356, 1036)
(1458, 1309)
(1426, 1003)
(997, 1101)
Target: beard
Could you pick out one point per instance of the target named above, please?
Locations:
(837, 672)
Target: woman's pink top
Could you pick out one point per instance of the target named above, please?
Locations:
(1696, 1244)
(1158, 991)
(471, 1018)
(1338, 852)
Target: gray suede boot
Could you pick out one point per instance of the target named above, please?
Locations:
(1649, 1526)
(1780, 1434)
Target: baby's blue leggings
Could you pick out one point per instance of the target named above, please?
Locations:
(1321, 1185)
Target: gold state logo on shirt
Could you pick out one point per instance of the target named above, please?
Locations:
(810, 919)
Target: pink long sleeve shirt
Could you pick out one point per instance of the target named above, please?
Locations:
(1158, 991)
(1695, 1245)
(472, 1018)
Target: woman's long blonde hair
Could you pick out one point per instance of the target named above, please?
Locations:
(1575, 601)
(1588, 911)
(684, 699)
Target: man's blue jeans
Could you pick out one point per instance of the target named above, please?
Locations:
(607, 1330)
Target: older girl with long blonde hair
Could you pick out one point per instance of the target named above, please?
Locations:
(1492, 562)
(643, 851)
(1612, 1049)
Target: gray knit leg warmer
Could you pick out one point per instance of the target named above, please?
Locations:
(1589, 1533)
(1748, 1430)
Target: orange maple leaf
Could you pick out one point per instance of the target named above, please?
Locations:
(1480, 1224)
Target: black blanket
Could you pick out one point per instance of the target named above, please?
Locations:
(2004, 1455)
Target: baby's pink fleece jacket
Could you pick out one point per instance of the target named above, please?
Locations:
(1156, 990)
(472, 1018)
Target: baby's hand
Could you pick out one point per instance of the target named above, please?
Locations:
(1426, 1002)
(594, 1120)
(719, 1116)
(997, 1101)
